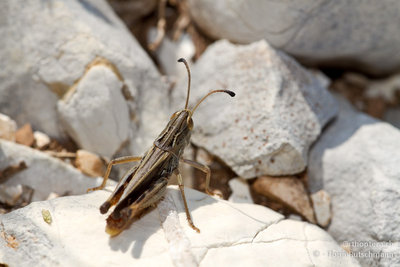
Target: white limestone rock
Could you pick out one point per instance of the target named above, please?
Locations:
(96, 115)
(231, 234)
(341, 33)
(52, 50)
(44, 174)
(356, 161)
(278, 112)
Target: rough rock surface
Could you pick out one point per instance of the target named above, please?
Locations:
(43, 173)
(279, 108)
(40, 72)
(233, 234)
(332, 32)
(356, 161)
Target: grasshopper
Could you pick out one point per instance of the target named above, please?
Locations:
(144, 185)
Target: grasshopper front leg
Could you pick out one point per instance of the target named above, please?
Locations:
(188, 217)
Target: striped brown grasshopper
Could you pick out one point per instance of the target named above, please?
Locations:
(143, 186)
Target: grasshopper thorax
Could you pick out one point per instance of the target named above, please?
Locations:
(176, 135)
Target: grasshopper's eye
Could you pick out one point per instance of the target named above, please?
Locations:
(190, 123)
(174, 115)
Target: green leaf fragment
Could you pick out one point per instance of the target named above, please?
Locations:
(47, 216)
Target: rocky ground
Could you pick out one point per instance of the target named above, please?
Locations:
(305, 156)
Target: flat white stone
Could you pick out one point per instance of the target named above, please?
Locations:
(231, 234)
(277, 113)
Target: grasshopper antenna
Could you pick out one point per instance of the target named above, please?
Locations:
(232, 94)
(188, 71)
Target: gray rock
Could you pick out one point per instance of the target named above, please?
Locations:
(72, 234)
(50, 50)
(44, 174)
(278, 111)
(356, 161)
(340, 33)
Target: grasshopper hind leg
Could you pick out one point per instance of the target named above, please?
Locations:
(207, 171)
(113, 199)
(116, 161)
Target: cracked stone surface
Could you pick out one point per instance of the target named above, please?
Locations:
(277, 113)
(38, 73)
(356, 161)
(341, 33)
(233, 234)
(44, 174)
